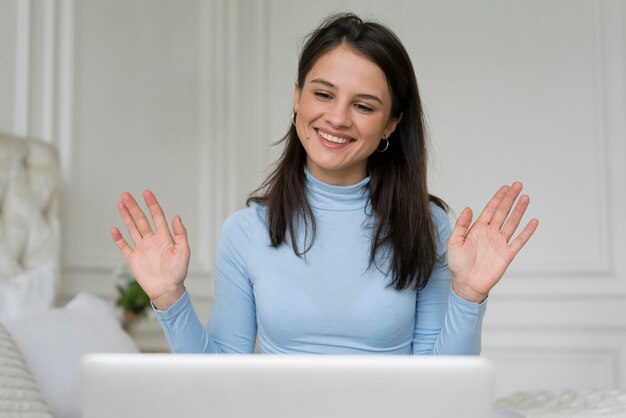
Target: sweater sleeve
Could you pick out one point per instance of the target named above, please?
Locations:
(232, 326)
(445, 323)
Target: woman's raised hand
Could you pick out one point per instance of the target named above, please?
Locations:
(159, 261)
(479, 255)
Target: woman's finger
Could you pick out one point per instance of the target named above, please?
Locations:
(121, 242)
(504, 208)
(180, 232)
(492, 205)
(143, 226)
(129, 222)
(516, 217)
(524, 236)
(158, 216)
(461, 226)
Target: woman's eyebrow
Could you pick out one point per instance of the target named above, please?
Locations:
(332, 86)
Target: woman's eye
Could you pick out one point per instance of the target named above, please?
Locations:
(364, 108)
(322, 95)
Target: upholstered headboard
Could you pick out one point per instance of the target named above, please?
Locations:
(29, 205)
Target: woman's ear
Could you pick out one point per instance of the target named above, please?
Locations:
(296, 97)
(391, 125)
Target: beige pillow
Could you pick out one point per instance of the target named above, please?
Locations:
(19, 393)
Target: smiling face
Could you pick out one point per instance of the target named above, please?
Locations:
(343, 110)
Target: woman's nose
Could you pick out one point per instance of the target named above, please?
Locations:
(338, 115)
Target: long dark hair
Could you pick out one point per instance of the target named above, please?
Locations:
(404, 231)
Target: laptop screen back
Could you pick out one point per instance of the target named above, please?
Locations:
(264, 386)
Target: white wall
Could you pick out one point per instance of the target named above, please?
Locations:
(185, 97)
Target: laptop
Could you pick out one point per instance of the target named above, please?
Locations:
(295, 386)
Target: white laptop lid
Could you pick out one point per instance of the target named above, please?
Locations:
(264, 386)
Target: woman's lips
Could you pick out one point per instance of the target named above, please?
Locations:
(331, 140)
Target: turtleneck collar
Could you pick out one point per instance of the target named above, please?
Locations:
(326, 196)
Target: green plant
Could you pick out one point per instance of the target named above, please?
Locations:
(132, 297)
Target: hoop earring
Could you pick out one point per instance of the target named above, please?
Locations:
(386, 145)
(293, 118)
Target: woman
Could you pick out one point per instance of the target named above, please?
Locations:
(342, 249)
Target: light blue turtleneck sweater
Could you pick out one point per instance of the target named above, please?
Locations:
(328, 301)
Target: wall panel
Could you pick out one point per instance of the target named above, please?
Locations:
(134, 120)
(531, 359)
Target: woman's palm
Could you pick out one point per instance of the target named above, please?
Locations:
(479, 255)
(159, 262)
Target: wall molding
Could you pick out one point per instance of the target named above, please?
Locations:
(534, 369)
(556, 359)
(601, 128)
(556, 314)
(22, 69)
(609, 279)
(35, 77)
(224, 102)
(221, 99)
(49, 67)
(207, 17)
(64, 127)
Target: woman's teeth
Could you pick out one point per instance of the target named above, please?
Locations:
(333, 138)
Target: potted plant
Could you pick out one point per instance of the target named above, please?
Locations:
(132, 299)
